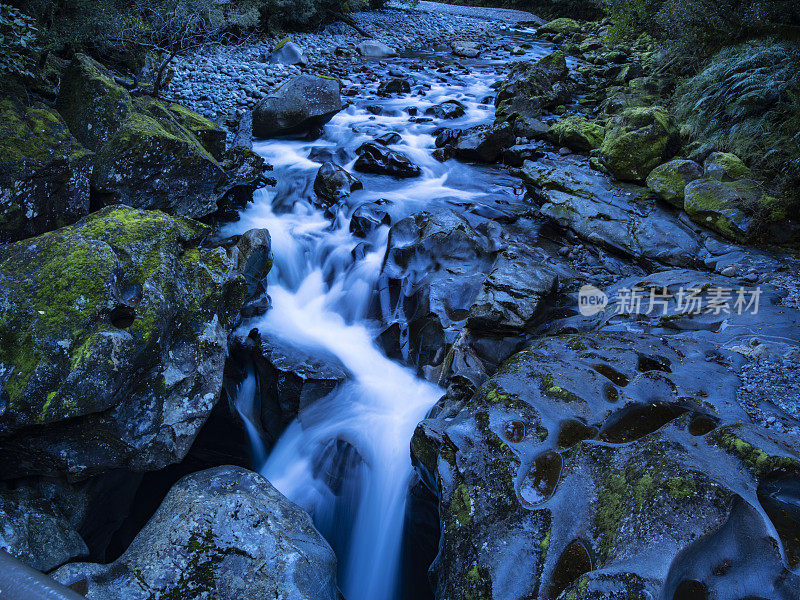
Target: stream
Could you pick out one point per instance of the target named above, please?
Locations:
(323, 291)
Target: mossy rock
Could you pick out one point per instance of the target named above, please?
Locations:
(723, 207)
(44, 171)
(531, 88)
(210, 135)
(153, 162)
(562, 26)
(92, 103)
(111, 335)
(669, 180)
(725, 166)
(637, 141)
(577, 133)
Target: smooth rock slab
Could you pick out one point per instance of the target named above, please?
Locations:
(225, 533)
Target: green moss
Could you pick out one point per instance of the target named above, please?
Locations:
(545, 543)
(642, 489)
(282, 43)
(680, 487)
(754, 458)
(460, 507)
(610, 510)
(478, 583)
(496, 396)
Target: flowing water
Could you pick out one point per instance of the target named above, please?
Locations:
(346, 458)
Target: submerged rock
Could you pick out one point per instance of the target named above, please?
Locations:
(637, 141)
(225, 532)
(44, 171)
(449, 109)
(115, 332)
(301, 104)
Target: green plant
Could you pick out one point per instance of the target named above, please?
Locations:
(17, 39)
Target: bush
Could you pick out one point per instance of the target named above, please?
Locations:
(17, 37)
(747, 101)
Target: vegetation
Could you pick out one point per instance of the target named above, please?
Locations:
(17, 37)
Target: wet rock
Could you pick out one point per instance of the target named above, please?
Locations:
(153, 162)
(669, 180)
(374, 158)
(637, 141)
(507, 493)
(433, 269)
(35, 531)
(512, 295)
(116, 329)
(287, 53)
(245, 172)
(252, 258)
(723, 207)
(396, 85)
(333, 183)
(618, 216)
(301, 104)
(577, 133)
(368, 217)
(387, 139)
(375, 49)
(449, 109)
(484, 143)
(44, 171)
(225, 531)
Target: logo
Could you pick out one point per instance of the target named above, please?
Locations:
(591, 300)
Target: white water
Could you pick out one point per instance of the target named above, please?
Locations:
(346, 459)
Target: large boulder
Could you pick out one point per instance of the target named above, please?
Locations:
(44, 171)
(287, 53)
(303, 103)
(484, 143)
(91, 102)
(153, 162)
(35, 531)
(225, 533)
(669, 180)
(532, 88)
(725, 166)
(375, 49)
(378, 159)
(333, 183)
(577, 133)
(724, 207)
(114, 335)
(637, 141)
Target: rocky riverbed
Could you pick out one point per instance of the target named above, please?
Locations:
(494, 332)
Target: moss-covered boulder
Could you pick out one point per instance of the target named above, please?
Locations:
(113, 335)
(225, 533)
(725, 166)
(724, 207)
(301, 104)
(637, 141)
(44, 171)
(577, 133)
(669, 180)
(531, 88)
(562, 25)
(153, 162)
(210, 135)
(92, 103)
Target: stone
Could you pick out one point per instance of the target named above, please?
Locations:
(577, 133)
(374, 158)
(114, 335)
(725, 166)
(35, 531)
(395, 85)
(152, 162)
(368, 217)
(224, 532)
(561, 26)
(375, 49)
(44, 171)
(722, 207)
(637, 141)
(449, 109)
(484, 143)
(669, 180)
(287, 53)
(333, 183)
(301, 104)
(465, 49)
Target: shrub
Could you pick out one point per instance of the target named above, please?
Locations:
(747, 101)
(17, 37)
